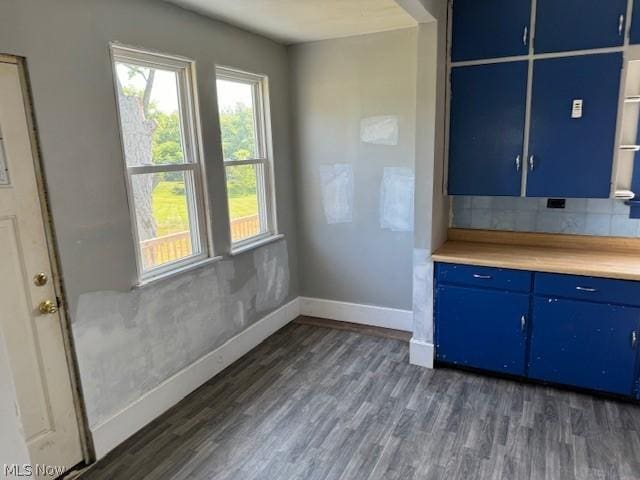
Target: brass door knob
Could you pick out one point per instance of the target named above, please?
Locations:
(48, 307)
(40, 279)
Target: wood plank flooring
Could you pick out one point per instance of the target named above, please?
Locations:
(355, 327)
(317, 403)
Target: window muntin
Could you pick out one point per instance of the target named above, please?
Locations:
(158, 124)
(244, 127)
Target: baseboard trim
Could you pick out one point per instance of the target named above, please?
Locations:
(112, 432)
(357, 313)
(421, 353)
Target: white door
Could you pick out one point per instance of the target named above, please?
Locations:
(33, 339)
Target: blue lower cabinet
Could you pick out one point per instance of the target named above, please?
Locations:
(570, 330)
(481, 328)
(584, 344)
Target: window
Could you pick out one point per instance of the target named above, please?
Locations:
(246, 145)
(158, 122)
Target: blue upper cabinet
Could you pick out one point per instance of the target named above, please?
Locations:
(566, 25)
(634, 34)
(573, 124)
(490, 29)
(487, 129)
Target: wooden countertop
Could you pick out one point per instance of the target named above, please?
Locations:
(607, 257)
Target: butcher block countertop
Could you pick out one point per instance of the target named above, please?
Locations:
(607, 257)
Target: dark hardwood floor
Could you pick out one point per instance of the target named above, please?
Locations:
(315, 403)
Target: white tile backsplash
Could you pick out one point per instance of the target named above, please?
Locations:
(599, 205)
(580, 216)
(481, 218)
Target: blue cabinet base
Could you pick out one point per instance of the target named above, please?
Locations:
(576, 332)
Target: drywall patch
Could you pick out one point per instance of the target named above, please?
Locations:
(422, 296)
(381, 130)
(128, 343)
(337, 192)
(272, 269)
(396, 199)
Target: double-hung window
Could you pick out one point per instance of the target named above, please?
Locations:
(159, 129)
(246, 144)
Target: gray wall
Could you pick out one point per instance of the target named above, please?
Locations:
(338, 83)
(581, 216)
(129, 341)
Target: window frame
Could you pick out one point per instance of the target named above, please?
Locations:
(195, 184)
(264, 161)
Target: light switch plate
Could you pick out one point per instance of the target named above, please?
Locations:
(576, 110)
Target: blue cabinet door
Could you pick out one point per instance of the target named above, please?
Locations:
(584, 344)
(481, 328)
(572, 157)
(490, 29)
(566, 25)
(487, 129)
(634, 33)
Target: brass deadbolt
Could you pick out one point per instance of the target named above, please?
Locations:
(48, 307)
(40, 279)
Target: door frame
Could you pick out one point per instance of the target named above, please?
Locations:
(86, 442)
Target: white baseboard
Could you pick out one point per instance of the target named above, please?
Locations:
(421, 353)
(110, 433)
(357, 313)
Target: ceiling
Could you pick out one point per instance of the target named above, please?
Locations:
(297, 21)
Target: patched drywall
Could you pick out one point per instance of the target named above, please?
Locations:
(128, 343)
(355, 105)
(396, 199)
(422, 295)
(337, 192)
(381, 130)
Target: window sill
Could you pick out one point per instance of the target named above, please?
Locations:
(178, 271)
(253, 245)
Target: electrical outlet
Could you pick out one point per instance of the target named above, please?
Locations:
(556, 203)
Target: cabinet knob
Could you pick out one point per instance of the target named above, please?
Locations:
(634, 339)
(525, 35)
(621, 25)
(532, 163)
(518, 163)
(523, 322)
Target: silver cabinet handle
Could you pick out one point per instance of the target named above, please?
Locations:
(518, 163)
(634, 339)
(620, 25)
(525, 35)
(482, 277)
(532, 163)
(523, 322)
(586, 289)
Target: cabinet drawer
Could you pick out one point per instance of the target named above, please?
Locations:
(488, 277)
(604, 290)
